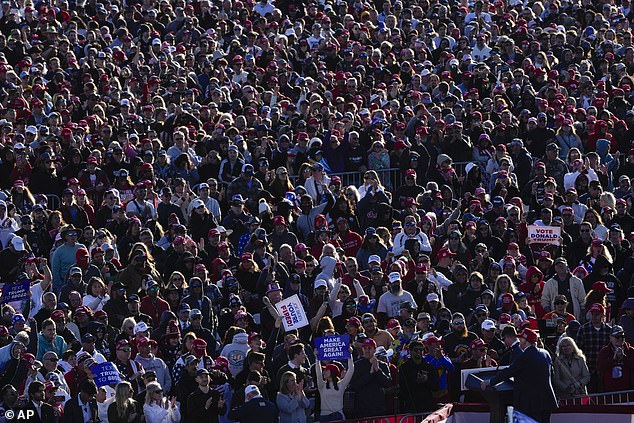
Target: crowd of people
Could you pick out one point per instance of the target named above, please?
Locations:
(171, 170)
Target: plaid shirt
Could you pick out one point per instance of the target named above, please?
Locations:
(590, 341)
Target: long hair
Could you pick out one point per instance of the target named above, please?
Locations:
(150, 388)
(122, 398)
(575, 348)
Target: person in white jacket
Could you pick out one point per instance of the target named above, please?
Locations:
(575, 286)
(410, 231)
(317, 184)
(157, 408)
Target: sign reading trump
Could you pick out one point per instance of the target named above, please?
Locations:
(292, 313)
(106, 374)
(544, 234)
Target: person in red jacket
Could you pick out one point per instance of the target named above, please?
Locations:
(350, 241)
(152, 304)
(616, 363)
(533, 286)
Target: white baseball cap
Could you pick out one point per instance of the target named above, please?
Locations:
(488, 324)
(140, 327)
(394, 277)
(18, 243)
(375, 258)
(320, 282)
(197, 203)
(251, 389)
(432, 297)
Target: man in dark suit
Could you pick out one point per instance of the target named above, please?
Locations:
(43, 412)
(255, 408)
(533, 392)
(512, 350)
(82, 408)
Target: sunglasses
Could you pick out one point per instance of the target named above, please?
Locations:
(127, 350)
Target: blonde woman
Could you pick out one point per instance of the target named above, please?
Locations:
(127, 326)
(158, 408)
(571, 370)
(124, 409)
(370, 180)
(291, 399)
(178, 280)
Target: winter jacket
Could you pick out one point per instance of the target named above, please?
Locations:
(577, 292)
(570, 379)
(616, 375)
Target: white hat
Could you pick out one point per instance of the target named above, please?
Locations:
(31, 129)
(140, 327)
(374, 258)
(197, 202)
(124, 102)
(425, 72)
(320, 282)
(432, 297)
(251, 389)
(394, 277)
(488, 324)
(18, 243)
(156, 41)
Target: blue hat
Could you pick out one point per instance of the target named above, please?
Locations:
(184, 307)
(17, 317)
(370, 231)
(237, 198)
(498, 201)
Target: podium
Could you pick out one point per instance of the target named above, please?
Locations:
(499, 397)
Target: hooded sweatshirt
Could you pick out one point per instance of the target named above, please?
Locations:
(236, 353)
(603, 150)
(534, 294)
(6, 354)
(328, 264)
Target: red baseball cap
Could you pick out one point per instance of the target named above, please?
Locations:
(597, 308)
(530, 335)
(279, 220)
(434, 340)
(504, 318)
(477, 344)
(369, 342)
(600, 286)
(444, 253)
(393, 324)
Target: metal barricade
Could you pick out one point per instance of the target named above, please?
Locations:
(605, 398)
(54, 202)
